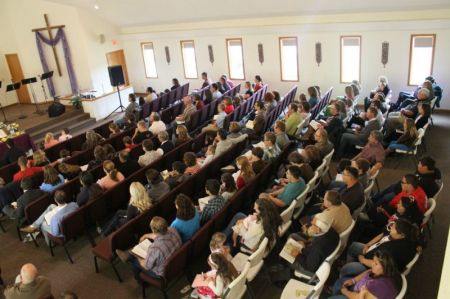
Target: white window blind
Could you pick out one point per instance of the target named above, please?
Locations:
(189, 60)
(421, 58)
(149, 60)
(289, 58)
(350, 58)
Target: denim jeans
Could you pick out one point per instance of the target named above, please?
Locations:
(137, 268)
(229, 230)
(41, 224)
(355, 249)
(394, 145)
(385, 196)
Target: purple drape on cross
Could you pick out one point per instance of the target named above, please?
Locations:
(67, 56)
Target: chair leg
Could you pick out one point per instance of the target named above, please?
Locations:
(143, 290)
(165, 294)
(2, 227)
(50, 245)
(250, 291)
(429, 231)
(68, 254)
(96, 264)
(117, 272)
(19, 234)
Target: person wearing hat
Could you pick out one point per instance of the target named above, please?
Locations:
(322, 242)
(16, 210)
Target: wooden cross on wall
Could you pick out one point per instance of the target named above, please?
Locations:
(49, 29)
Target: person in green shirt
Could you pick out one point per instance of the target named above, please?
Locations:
(280, 132)
(283, 197)
(293, 119)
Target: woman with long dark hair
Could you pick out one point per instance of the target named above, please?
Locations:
(187, 221)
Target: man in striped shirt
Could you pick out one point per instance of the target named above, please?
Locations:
(165, 241)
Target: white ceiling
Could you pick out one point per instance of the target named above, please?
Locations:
(125, 13)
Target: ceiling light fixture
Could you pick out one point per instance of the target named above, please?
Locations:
(96, 7)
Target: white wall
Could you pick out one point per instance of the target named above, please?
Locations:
(82, 31)
(325, 75)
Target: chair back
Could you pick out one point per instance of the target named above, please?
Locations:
(344, 236)
(322, 274)
(300, 202)
(328, 157)
(258, 255)
(358, 211)
(286, 215)
(368, 190)
(177, 262)
(411, 264)
(430, 210)
(334, 255)
(200, 240)
(236, 289)
(402, 292)
(72, 225)
(436, 196)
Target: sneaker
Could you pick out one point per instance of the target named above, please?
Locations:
(29, 238)
(29, 229)
(124, 256)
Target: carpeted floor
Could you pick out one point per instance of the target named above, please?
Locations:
(423, 281)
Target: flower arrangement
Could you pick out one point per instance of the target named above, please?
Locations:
(9, 131)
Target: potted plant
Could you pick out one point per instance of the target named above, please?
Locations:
(76, 102)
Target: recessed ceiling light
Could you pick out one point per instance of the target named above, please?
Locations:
(96, 7)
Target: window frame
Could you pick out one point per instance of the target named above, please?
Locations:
(340, 56)
(228, 57)
(143, 60)
(280, 39)
(182, 58)
(433, 35)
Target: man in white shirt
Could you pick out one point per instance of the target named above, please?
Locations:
(215, 91)
(157, 125)
(151, 95)
(150, 155)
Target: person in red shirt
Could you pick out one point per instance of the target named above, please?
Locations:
(258, 83)
(410, 187)
(128, 142)
(246, 172)
(24, 170)
(229, 107)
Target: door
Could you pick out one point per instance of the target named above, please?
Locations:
(16, 72)
(118, 58)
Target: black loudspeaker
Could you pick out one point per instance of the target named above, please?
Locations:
(56, 109)
(116, 75)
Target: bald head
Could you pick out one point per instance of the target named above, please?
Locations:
(28, 273)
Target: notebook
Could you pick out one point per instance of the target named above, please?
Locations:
(288, 249)
(141, 249)
(199, 281)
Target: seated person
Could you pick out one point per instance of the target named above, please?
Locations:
(175, 83)
(13, 152)
(295, 158)
(89, 189)
(52, 179)
(141, 133)
(245, 173)
(423, 116)
(373, 152)
(177, 175)
(181, 135)
(50, 220)
(188, 110)
(165, 241)
(69, 171)
(126, 165)
(190, 160)
(39, 159)
(271, 149)
(256, 160)
(258, 83)
(228, 102)
(151, 95)
(322, 242)
(312, 156)
(256, 129)
(352, 194)
(406, 141)
(313, 96)
(114, 130)
(30, 285)
(322, 143)
(110, 151)
(16, 210)
(333, 125)
(128, 143)
(234, 131)
(25, 171)
(222, 143)
(293, 119)
(217, 245)
(248, 90)
(157, 125)
(269, 101)
(150, 155)
(304, 109)
(362, 165)
(92, 140)
(99, 157)
(213, 203)
(334, 212)
(216, 94)
(139, 203)
(187, 221)
(112, 177)
(197, 101)
(400, 242)
(156, 187)
(166, 144)
(280, 132)
(130, 110)
(209, 155)
(50, 140)
(248, 231)
(228, 186)
(220, 276)
(360, 136)
(283, 197)
(224, 85)
(382, 280)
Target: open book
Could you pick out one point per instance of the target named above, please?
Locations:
(288, 250)
(260, 144)
(314, 124)
(141, 249)
(249, 124)
(199, 281)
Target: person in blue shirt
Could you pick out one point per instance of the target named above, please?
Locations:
(284, 196)
(52, 179)
(313, 96)
(51, 223)
(187, 222)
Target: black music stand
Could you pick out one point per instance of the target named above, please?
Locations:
(14, 87)
(1, 107)
(43, 77)
(30, 81)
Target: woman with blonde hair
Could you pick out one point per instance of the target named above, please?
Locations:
(112, 177)
(39, 159)
(406, 141)
(49, 140)
(182, 135)
(139, 203)
(245, 173)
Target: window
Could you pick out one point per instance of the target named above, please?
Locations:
(235, 59)
(289, 58)
(421, 58)
(149, 60)
(189, 61)
(350, 58)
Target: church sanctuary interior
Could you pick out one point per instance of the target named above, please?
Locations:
(244, 149)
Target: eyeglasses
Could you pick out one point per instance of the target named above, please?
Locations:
(404, 183)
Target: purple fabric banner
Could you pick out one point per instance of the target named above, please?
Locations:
(60, 36)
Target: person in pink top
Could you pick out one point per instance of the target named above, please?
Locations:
(49, 140)
(190, 160)
(112, 177)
